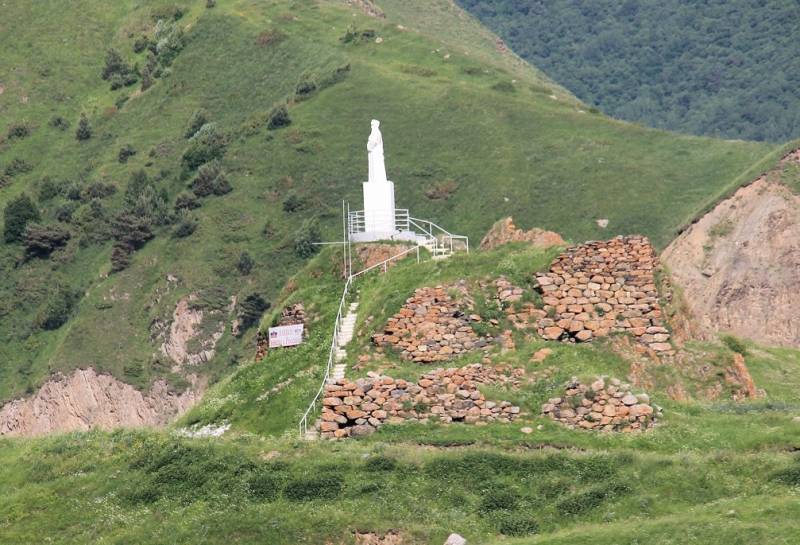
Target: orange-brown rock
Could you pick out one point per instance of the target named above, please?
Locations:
(504, 231)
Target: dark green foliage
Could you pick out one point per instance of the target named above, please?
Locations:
(140, 44)
(18, 131)
(126, 152)
(293, 203)
(168, 37)
(244, 264)
(130, 232)
(789, 476)
(265, 485)
(735, 344)
(117, 71)
(58, 122)
(498, 499)
(251, 308)
(120, 101)
(146, 201)
(42, 240)
(48, 189)
(17, 215)
(587, 500)
(58, 308)
(320, 487)
(728, 69)
(64, 212)
(167, 13)
(185, 227)
(211, 3)
(15, 167)
(84, 130)
(211, 180)
(186, 201)
(206, 145)
(98, 190)
(199, 118)
(306, 238)
(279, 118)
(504, 87)
(380, 463)
(516, 524)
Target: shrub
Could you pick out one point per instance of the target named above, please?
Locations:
(278, 118)
(293, 203)
(790, 476)
(140, 44)
(58, 309)
(173, 13)
(48, 189)
(211, 3)
(186, 201)
(199, 118)
(211, 180)
(98, 190)
(168, 37)
(380, 463)
(126, 152)
(84, 130)
(65, 211)
(17, 166)
(115, 65)
(516, 524)
(17, 215)
(735, 344)
(270, 37)
(58, 122)
(305, 88)
(18, 130)
(185, 227)
(322, 487)
(498, 500)
(504, 87)
(206, 145)
(307, 236)
(251, 309)
(264, 486)
(244, 264)
(42, 240)
(120, 257)
(144, 200)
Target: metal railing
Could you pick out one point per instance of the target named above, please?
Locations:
(442, 238)
(312, 407)
(357, 220)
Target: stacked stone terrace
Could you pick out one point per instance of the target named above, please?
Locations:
(353, 408)
(433, 325)
(603, 287)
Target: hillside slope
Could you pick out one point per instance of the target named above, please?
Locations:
(726, 69)
(471, 135)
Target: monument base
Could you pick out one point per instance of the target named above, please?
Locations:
(379, 207)
(376, 236)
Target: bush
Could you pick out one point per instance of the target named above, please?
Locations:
(98, 190)
(48, 189)
(140, 44)
(516, 524)
(18, 130)
(323, 487)
(58, 122)
(205, 146)
(185, 227)
(42, 240)
(264, 486)
(199, 118)
(84, 130)
(17, 166)
(186, 201)
(115, 65)
(735, 344)
(307, 236)
(380, 463)
(211, 180)
(251, 309)
(278, 118)
(498, 500)
(790, 476)
(58, 309)
(144, 200)
(293, 203)
(504, 87)
(211, 3)
(126, 152)
(168, 37)
(17, 215)
(65, 211)
(244, 264)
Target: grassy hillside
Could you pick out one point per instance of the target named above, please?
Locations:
(726, 69)
(712, 472)
(490, 136)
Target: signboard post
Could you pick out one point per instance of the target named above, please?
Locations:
(285, 335)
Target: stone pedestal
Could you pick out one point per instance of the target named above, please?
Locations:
(379, 208)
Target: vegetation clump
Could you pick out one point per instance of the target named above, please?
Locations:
(18, 213)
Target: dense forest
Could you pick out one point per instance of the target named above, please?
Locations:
(725, 68)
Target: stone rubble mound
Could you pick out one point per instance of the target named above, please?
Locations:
(433, 326)
(354, 408)
(504, 231)
(522, 314)
(604, 405)
(603, 287)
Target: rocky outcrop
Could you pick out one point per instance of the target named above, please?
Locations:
(433, 325)
(373, 253)
(603, 287)
(86, 399)
(738, 265)
(185, 328)
(447, 395)
(604, 405)
(504, 231)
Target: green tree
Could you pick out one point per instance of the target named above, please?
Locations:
(84, 130)
(18, 213)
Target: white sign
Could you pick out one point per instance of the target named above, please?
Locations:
(285, 335)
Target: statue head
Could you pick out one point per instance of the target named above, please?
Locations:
(375, 123)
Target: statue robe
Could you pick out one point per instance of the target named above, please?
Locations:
(377, 167)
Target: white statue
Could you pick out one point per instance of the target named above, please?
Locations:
(377, 168)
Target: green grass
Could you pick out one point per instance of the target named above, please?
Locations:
(439, 94)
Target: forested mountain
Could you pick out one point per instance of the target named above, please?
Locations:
(718, 67)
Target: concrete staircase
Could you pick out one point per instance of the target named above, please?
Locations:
(438, 251)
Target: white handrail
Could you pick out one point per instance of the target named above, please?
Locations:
(303, 426)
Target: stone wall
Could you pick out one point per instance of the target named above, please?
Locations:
(603, 287)
(433, 325)
(604, 405)
(449, 395)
